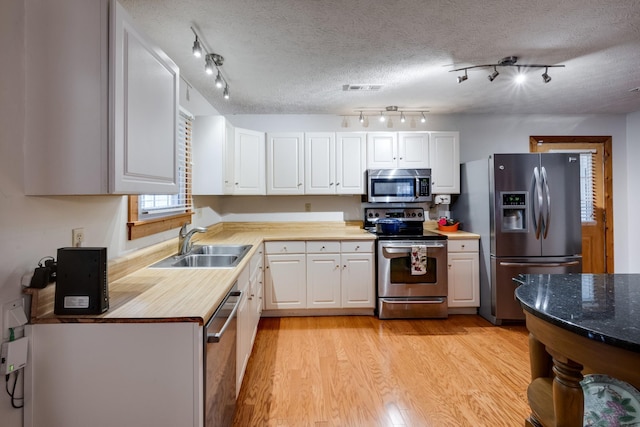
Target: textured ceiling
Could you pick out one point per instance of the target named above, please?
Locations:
(294, 56)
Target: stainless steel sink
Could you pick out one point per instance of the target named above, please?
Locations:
(206, 256)
(238, 250)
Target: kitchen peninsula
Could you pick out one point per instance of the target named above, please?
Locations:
(578, 323)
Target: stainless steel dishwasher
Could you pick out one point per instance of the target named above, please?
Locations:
(220, 362)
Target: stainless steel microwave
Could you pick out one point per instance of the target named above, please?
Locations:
(398, 185)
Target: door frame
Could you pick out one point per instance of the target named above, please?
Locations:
(534, 141)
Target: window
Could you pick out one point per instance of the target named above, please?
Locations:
(153, 213)
(587, 188)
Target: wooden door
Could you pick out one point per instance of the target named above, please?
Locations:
(597, 223)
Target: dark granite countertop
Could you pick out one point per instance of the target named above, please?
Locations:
(601, 307)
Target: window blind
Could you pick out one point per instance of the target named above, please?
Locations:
(587, 187)
(156, 205)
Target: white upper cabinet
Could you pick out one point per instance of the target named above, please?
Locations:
(382, 150)
(413, 150)
(101, 103)
(445, 162)
(320, 163)
(334, 162)
(390, 150)
(249, 158)
(350, 162)
(209, 154)
(285, 163)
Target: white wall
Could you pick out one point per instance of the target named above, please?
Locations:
(632, 214)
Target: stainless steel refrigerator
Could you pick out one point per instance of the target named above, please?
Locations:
(526, 208)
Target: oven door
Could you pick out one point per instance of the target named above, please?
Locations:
(396, 278)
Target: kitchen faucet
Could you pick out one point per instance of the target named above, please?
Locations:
(184, 238)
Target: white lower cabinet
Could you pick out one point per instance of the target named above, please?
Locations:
(249, 310)
(464, 273)
(285, 271)
(325, 275)
(115, 374)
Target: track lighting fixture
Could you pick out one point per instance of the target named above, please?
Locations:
(386, 115)
(197, 48)
(212, 63)
(509, 61)
(208, 64)
(493, 75)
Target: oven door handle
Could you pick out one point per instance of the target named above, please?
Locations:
(388, 250)
(424, 301)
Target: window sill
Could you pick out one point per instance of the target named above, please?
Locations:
(138, 229)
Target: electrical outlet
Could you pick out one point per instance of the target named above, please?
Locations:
(307, 207)
(77, 237)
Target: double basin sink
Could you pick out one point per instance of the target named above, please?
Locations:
(206, 256)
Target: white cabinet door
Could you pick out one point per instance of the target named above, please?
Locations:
(323, 281)
(382, 150)
(285, 163)
(228, 185)
(244, 333)
(413, 150)
(445, 162)
(350, 162)
(249, 156)
(358, 280)
(209, 151)
(144, 112)
(319, 163)
(464, 273)
(285, 281)
(107, 122)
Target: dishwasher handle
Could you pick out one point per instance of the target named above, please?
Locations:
(215, 337)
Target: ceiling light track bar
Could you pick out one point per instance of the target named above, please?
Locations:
(508, 61)
(212, 62)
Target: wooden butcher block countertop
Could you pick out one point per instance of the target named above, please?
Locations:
(141, 294)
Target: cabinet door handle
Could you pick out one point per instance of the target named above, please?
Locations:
(337, 183)
(330, 184)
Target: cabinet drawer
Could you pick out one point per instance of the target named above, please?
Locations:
(285, 247)
(365, 246)
(323, 247)
(463, 245)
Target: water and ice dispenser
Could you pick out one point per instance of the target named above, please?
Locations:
(513, 211)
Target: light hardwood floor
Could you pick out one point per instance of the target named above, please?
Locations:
(361, 371)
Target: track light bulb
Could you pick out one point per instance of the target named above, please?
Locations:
(219, 80)
(225, 94)
(423, 119)
(381, 117)
(463, 78)
(197, 48)
(493, 75)
(520, 78)
(545, 77)
(361, 118)
(208, 64)
(402, 118)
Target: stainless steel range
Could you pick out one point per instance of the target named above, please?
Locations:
(411, 264)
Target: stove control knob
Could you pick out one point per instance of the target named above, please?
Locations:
(377, 214)
(420, 214)
(370, 215)
(413, 214)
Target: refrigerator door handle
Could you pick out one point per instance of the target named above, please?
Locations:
(537, 204)
(538, 264)
(547, 196)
